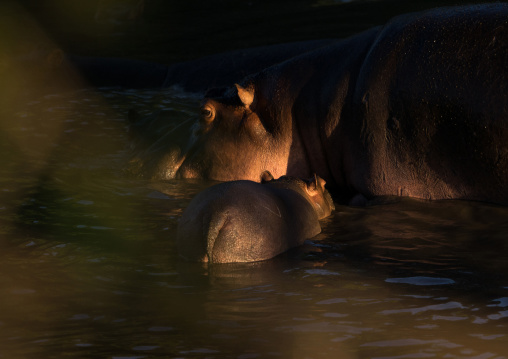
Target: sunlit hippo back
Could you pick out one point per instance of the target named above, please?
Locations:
(245, 221)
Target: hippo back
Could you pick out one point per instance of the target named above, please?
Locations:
(243, 221)
(431, 101)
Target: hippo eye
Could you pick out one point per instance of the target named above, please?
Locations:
(207, 114)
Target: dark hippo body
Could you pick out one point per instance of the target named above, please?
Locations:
(433, 121)
(416, 108)
(244, 221)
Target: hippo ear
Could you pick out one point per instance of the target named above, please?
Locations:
(246, 95)
(266, 176)
(319, 182)
(315, 184)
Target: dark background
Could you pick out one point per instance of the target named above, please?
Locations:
(168, 31)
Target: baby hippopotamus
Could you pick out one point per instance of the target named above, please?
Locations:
(245, 221)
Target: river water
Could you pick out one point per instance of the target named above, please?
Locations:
(89, 267)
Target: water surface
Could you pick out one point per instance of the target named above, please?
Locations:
(89, 265)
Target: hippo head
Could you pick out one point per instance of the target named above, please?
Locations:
(242, 131)
(312, 189)
(235, 138)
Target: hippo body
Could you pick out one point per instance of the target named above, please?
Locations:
(244, 221)
(418, 107)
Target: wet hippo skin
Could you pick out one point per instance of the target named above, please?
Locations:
(245, 221)
(418, 107)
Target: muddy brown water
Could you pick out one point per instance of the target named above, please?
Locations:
(89, 264)
(89, 267)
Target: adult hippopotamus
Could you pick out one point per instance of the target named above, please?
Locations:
(244, 221)
(418, 107)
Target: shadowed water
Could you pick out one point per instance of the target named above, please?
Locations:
(89, 266)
